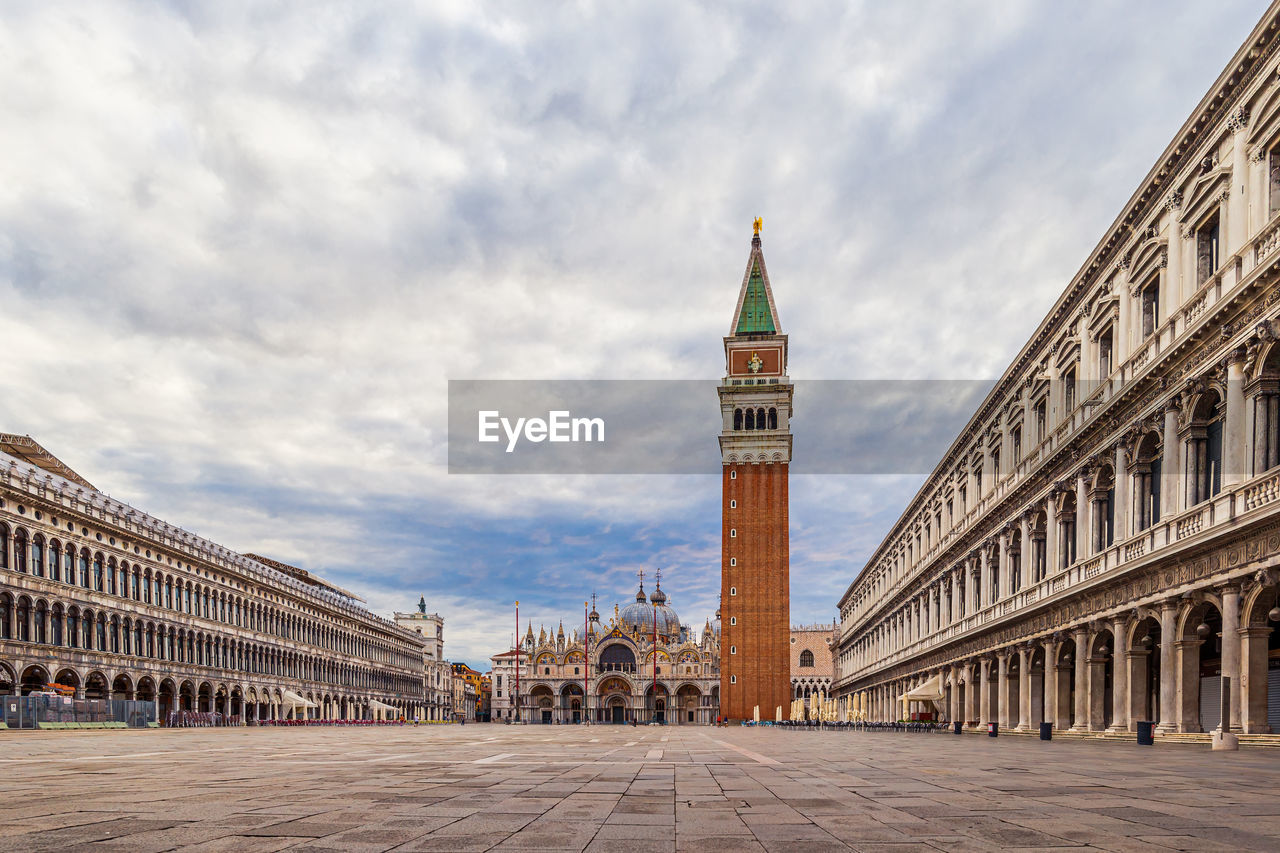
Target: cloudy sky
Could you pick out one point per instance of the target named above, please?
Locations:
(244, 247)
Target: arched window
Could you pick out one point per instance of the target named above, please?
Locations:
(4, 546)
(773, 418)
(1266, 414)
(806, 658)
(751, 418)
(1204, 449)
(55, 560)
(20, 550)
(84, 568)
(737, 419)
(97, 572)
(37, 555)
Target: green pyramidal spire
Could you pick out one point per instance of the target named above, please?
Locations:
(755, 315)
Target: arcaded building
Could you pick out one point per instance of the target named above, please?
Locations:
(1101, 543)
(104, 598)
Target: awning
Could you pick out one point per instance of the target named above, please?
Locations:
(293, 699)
(930, 691)
(382, 706)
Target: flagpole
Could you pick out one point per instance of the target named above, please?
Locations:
(517, 696)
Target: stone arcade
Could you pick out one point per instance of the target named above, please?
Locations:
(102, 597)
(1101, 543)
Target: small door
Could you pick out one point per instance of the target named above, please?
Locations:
(616, 711)
(546, 716)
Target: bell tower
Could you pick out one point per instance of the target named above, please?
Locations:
(755, 454)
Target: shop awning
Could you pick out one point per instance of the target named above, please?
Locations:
(382, 706)
(930, 691)
(293, 699)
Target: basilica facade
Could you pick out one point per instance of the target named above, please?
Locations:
(641, 666)
(1101, 544)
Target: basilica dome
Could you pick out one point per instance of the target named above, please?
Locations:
(639, 616)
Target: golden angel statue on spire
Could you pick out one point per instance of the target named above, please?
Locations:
(758, 224)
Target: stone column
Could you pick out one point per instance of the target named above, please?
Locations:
(1050, 538)
(1083, 517)
(1170, 282)
(1231, 649)
(968, 693)
(1025, 561)
(1120, 506)
(984, 573)
(956, 576)
(1237, 202)
(1122, 344)
(1188, 670)
(984, 688)
(1170, 468)
(1081, 636)
(988, 476)
(954, 709)
(1002, 688)
(1004, 563)
(1233, 432)
(1119, 676)
(1168, 667)
(1024, 688)
(1253, 687)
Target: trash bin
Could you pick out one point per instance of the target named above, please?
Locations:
(958, 726)
(1046, 731)
(1146, 733)
(993, 729)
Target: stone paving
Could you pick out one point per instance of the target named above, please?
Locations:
(495, 787)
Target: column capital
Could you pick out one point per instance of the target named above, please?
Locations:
(1238, 121)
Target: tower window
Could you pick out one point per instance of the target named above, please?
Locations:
(737, 419)
(733, 590)
(733, 533)
(773, 418)
(733, 620)
(733, 650)
(733, 475)
(733, 561)
(733, 504)
(733, 679)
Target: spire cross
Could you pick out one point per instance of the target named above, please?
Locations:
(658, 573)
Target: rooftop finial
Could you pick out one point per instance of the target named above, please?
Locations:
(758, 225)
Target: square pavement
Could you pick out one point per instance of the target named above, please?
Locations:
(497, 787)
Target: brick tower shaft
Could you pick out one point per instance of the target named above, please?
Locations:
(755, 448)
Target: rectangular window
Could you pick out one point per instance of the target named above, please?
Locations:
(1017, 445)
(1104, 353)
(1273, 181)
(1207, 249)
(1041, 419)
(1150, 309)
(1069, 389)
